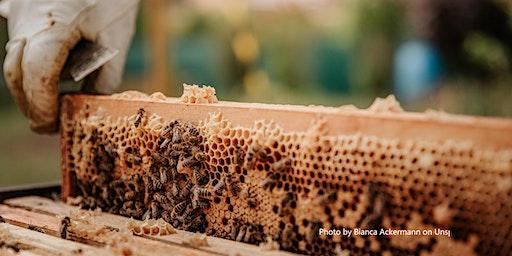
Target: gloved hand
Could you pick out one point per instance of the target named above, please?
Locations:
(41, 33)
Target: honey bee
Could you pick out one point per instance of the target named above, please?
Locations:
(164, 177)
(238, 157)
(185, 164)
(198, 202)
(199, 177)
(134, 186)
(125, 211)
(168, 129)
(282, 165)
(262, 154)
(257, 236)
(128, 205)
(378, 201)
(179, 209)
(105, 194)
(190, 214)
(130, 195)
(217, 186)
(190, 163)
(166, 216)
(312, 233)
(287, 199)
(176, 135)
(193, 130)
(252, 203)
(177, 147)
(148, 188)
(203, 204)
(35, 228)
(140, 115)
(175, 154)
(116, 184)
(198, 224)
(159, 158)
(190, 139)
(157, 184)
(285, 204)
(327, 198)
(93, 137)
(138, 210)
(379, 205)
(104, 177)
(234, 231)
(133, 159)
(64, 224)
(248, 233)
(175, 189)
(241, 233)
(198, 154)
(147, 215)
(201, 192)
(173, 163)
(233, 187)
(159, 198)
(156, 211)
(287, 236)
(191, 136)
(252, 154)
(269, 182)
(89, 203)
(165, 143)
(185, 192)
(195, 202)
(103, 160)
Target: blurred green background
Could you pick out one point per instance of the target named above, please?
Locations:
(449, 55)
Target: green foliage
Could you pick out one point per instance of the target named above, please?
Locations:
(487, 52)
(379, 29)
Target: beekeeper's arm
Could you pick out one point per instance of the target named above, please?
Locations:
(41, 33)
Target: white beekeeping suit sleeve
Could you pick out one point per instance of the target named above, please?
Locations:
(41, 33)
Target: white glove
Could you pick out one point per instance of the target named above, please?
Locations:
(41, 33)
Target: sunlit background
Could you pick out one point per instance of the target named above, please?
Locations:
(453, 55)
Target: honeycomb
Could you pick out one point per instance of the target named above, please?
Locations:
(263, 183)
(150, 227)
(194, 94)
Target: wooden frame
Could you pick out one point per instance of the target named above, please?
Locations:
(483, 134)
(491, 133)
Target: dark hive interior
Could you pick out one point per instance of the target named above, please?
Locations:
(247, 183)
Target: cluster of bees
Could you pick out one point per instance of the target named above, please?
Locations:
(103, 191)
(172, 188)
(175, 189)
(247, 233)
